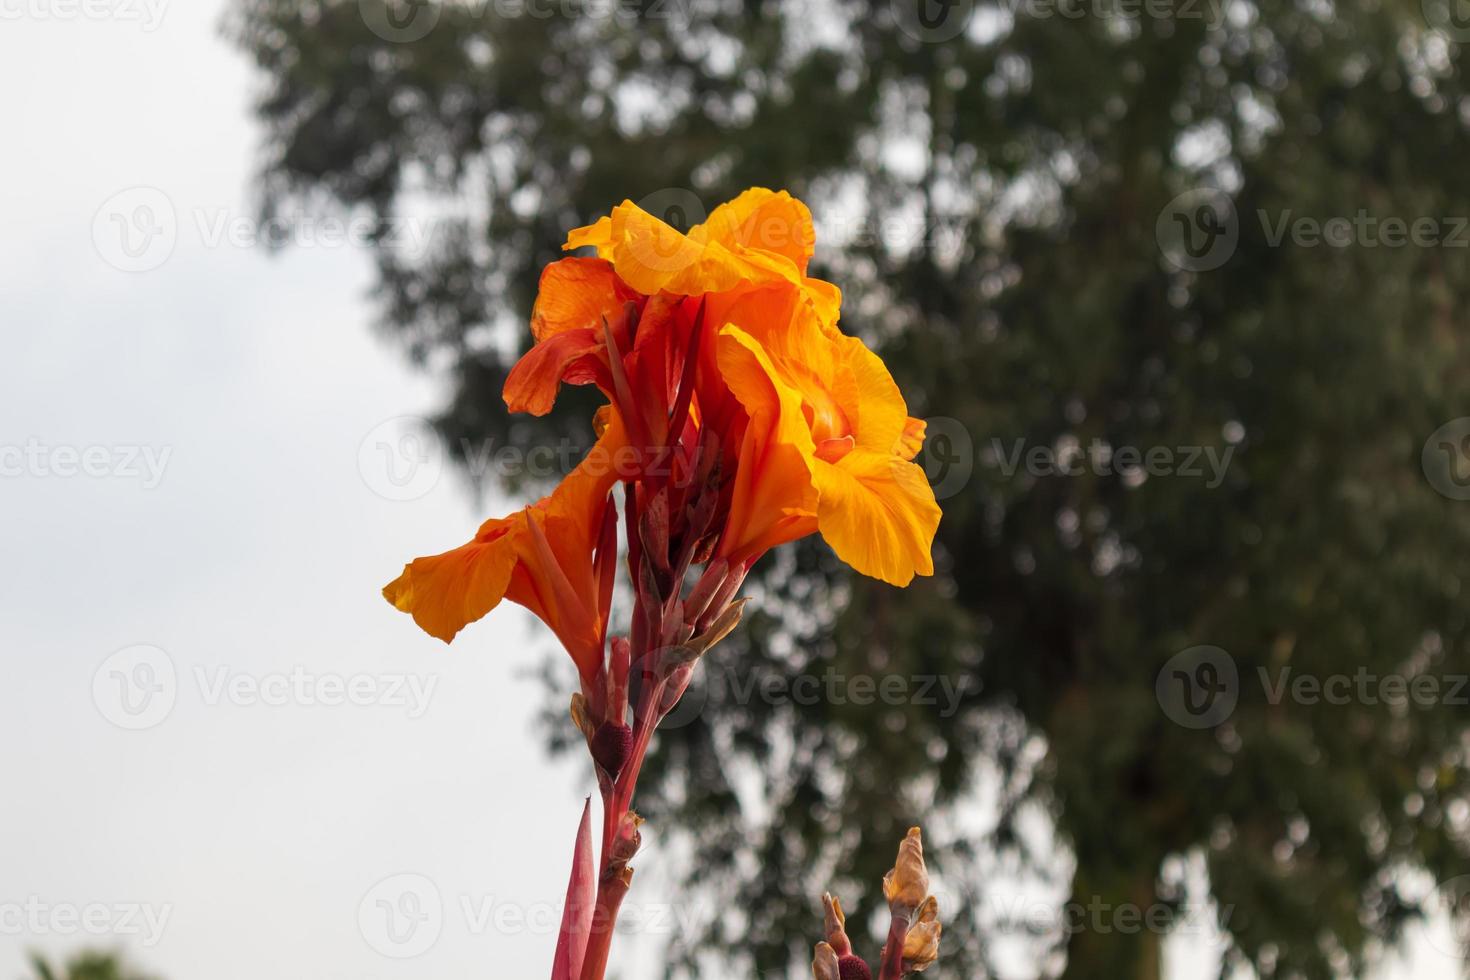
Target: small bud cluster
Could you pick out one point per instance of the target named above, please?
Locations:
(913, 935)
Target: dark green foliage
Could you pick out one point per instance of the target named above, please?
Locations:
(1006, 187)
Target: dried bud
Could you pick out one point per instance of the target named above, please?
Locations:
(824, 963)
(625, 845)
(582, 717)
(907, 885)
(852, 968)
(610, 745)
(836, 925)
(921, 945)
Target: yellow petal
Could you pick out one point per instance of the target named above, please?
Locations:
(598, 235)
(913, 438)
(766, 220)
(878, 513)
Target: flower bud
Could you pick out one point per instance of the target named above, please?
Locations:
(921, 945)
(626, 842)
(836, 925)
(907, 885)
(824, 964)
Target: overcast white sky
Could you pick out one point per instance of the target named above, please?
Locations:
(198, 516)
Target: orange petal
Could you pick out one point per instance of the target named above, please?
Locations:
(576, 293)
(444, 593)
(573, 356)
(878, 513)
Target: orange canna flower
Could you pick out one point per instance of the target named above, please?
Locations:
(739, 417)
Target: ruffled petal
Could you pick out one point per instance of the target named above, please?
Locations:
(765, 220)
(651, 256)
(878, 513)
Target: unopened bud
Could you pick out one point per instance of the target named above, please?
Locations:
(836, 925)
(704, 590)
(653, 528)
(824, 963)
(907, 885)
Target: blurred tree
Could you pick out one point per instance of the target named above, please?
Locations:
(998, 191)
(86, 965)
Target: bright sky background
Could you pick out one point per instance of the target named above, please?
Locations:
(258, 839)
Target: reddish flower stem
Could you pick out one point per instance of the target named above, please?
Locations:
(610, 891)
(891, 967)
